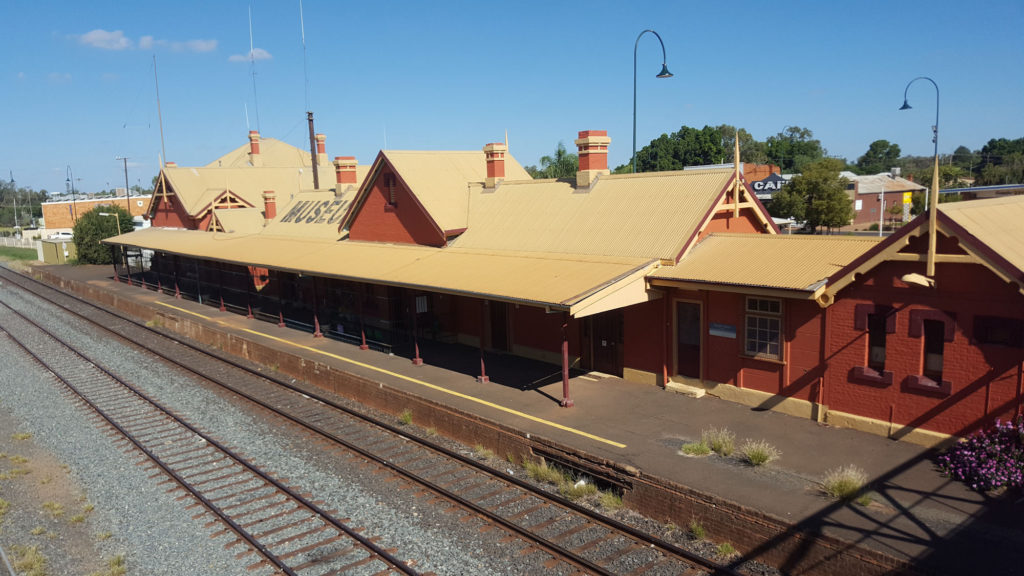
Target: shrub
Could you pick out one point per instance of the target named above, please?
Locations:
(405, 418)
(726, 550)
(845, 482)
(541, 472)
(576, 490)
(611, 501)
(990, 459)
(696, 529)
(720, 440)
(758, 452)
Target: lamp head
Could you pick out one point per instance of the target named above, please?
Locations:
(905, 105)
(664, 72)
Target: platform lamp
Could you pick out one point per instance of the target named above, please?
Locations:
(932, 200)
(663, 74)
(69, 184)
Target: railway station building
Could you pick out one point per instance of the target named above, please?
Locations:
(675, 279)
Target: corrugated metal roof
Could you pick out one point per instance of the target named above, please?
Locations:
(996, 222)
(539, 279)
(240, 220)
(875, 183)
(440, 180)
(650, 215)
(273, 154)
(767, 260)
(311, 214)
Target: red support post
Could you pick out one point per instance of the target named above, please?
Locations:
(482, 378)
(280, 319)
(249, 315)
(416, 360)
(316, 328)
(222, 307)
(566, 400)
(362, 333)
(177, 293)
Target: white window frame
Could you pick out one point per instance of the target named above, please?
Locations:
(766, 315)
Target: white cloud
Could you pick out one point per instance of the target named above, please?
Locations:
(256, 54)
(59, 77)
(106, 40)
(118, 41)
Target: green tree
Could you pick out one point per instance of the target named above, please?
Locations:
(751, 150)
(821, 193)
(793, 148)
(562, 165)
(880, 157)
(92, 227)
(685, 147)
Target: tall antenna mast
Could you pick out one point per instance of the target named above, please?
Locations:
(305, 71)
(159, 115)
(309, 112)
(252, 71)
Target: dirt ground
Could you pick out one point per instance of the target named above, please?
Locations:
(42, 506)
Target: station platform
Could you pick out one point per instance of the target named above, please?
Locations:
(936, 525)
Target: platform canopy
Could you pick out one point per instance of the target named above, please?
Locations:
(579, 284)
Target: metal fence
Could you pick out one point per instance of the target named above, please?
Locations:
(12, 242)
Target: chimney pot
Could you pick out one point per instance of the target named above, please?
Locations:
(495, 154)
(269, 206)
(345, 169)
(170, 164)
(593, 153)
(254, 148)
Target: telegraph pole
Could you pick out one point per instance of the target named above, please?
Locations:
(127, 201)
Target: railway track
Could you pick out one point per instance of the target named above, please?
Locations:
(575, 539)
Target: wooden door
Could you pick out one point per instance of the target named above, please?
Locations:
(606, 342)
(688, 331)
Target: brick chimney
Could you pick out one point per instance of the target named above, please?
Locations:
(321, 150)
(495, 153)
(254, 148)
(170, 164)
(593, 152)
(269, 206)
(345, 170)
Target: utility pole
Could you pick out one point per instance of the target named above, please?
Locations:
(14, 190)
(127, 201)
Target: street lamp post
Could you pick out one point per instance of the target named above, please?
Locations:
(932, 200)
(127, 201)
(663, 74)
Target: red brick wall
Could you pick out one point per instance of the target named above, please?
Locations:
(404, 222)
(724, 222)
(170, 214)
(984, 378)
(643, 332)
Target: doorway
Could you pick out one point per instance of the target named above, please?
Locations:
(688, 331)
(606, 342)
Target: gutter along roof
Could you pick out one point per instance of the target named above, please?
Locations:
(580, 285)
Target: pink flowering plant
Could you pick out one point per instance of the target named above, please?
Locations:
(990, 459)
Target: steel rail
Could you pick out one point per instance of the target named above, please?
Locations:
(324, 515)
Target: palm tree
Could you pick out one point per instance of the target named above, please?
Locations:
(562, 165)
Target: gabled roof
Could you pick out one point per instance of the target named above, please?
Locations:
(239, 220)
(988, 233)
(772, 261)
(311, 214)
(273, 154)
(197, 188)
(649, 215)
(439, 180)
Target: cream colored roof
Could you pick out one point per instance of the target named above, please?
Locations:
(875, 183)
(312, 214)
(996, 222)
(650, 215)
(439, 180)
(563, 283)
(273, 154)
(767, 260)
(240, 220)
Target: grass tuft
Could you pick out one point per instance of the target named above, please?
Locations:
(845, 482)
(758, 452)
(696, 529)
(482, 453)
(720, 440)
(101, 536)
(37, 531)
(699, 448)
(4, 506)
(28, 560)
(18, 459)
(576, 490)
(405, 418)
(610, 501)
(726, 550)
(77, 519)
(54, 508)
(541, 472)
(21, 436)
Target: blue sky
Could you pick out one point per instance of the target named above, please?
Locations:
(77, 83)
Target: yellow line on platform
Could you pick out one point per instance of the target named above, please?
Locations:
(413, 380)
